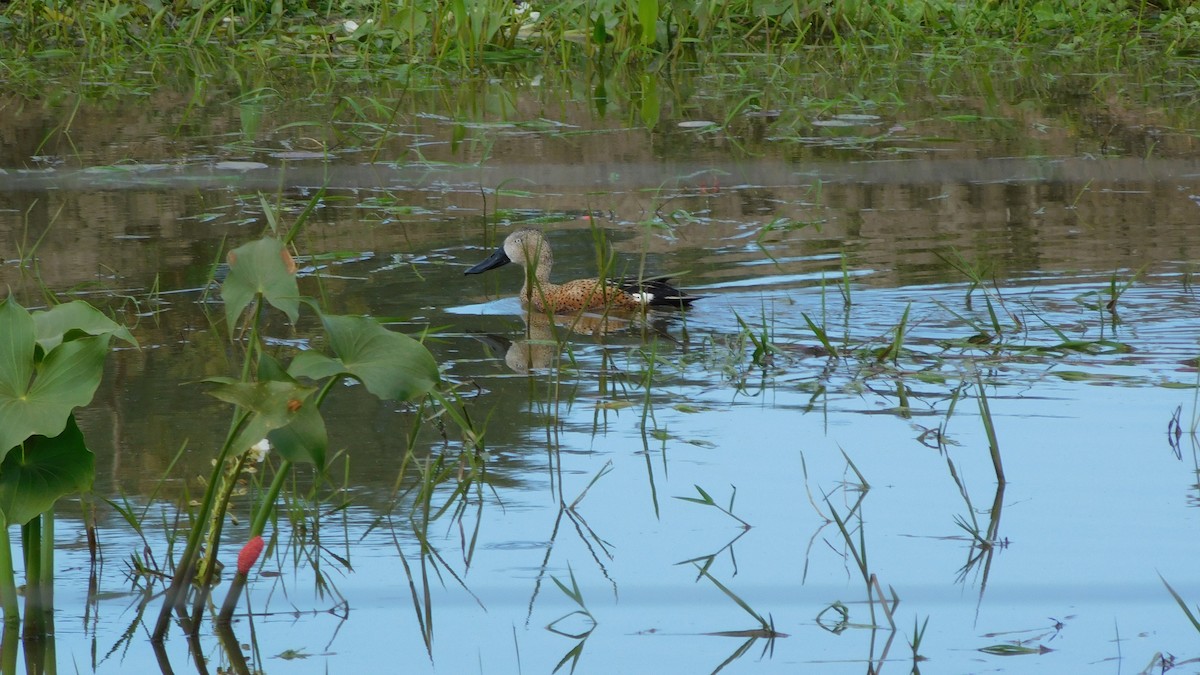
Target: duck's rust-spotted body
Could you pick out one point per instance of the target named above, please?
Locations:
(529, 249)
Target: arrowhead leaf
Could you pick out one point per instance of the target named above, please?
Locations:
(260, 267)
(304, 440)
(274, 404)
(391, 365)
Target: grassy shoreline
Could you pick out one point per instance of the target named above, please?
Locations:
(102, 41)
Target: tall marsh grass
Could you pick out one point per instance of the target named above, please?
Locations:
(95, 34)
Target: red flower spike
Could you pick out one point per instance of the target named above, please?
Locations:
(249, 554)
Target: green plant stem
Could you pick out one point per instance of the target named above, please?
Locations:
(31, 542)
(257, 526)
(177, 590)
(8, 586)
(9, 644)
(48, 557)
(187, 560)
(207, 569)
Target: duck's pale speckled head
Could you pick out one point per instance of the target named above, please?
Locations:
(522, 247)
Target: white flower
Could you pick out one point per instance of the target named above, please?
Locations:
(258, 452)
(349, 25)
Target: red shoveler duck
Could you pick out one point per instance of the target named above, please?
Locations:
(529, 249)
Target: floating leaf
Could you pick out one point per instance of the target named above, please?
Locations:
(613, 405)
(44, 470)
(260, 267)
(1010, 649)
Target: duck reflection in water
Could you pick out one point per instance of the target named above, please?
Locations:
(545, 337)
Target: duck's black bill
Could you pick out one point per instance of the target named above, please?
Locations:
(497, 259)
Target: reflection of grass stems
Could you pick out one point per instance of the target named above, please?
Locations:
(576, 595)
(1079, 195)
(648, 385)
(985, 413)
(26, 256)
(765, 624)
(859, 552)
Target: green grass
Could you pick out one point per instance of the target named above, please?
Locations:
(96, 40)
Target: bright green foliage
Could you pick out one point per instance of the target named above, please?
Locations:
(392, 366)
(35, 476)
(48, 367)
(273, 404)
(260, 267)
(304, 439)
(53, 325)
(51, 362)
(42, 40)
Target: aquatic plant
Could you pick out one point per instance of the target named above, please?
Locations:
(51, 362)
(275, 403)
(100, 38)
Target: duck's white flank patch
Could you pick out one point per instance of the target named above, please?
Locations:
(643, 297)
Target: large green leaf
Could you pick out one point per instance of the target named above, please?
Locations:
(390, 365)
(53, 324)
(16, 349)
(315, 366)
(36, 476)
(304, 440)
(260, 267)
(273, 404)
(66, 379)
